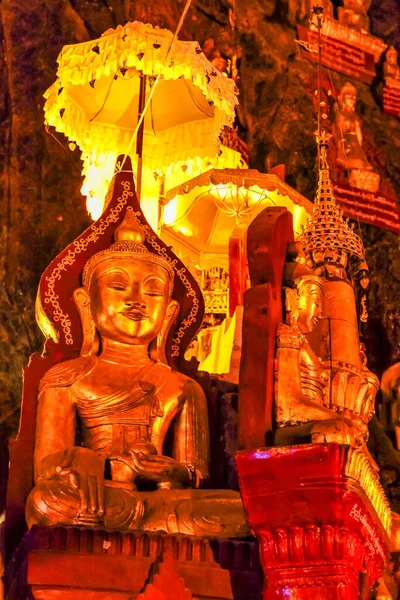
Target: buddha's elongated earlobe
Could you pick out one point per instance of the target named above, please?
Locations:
(90, 343)
(157, 349)
(291, 306)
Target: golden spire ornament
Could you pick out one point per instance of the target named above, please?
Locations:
(330, 245)
(327, 236)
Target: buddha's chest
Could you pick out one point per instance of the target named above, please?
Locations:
(129, 400)
(116, 412)
(114, 421)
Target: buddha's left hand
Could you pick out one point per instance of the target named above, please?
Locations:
(161, 469)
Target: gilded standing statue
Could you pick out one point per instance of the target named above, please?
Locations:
(101, 454)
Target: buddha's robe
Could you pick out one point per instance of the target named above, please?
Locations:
(140, 406)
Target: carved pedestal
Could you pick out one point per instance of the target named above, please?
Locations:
(320, 537)
(71, 563)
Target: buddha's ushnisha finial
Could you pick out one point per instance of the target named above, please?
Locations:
(129, 243)
(129, 230)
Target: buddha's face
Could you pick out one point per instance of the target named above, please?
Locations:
(391, 57)
(349, 100)
(129, 299)
(310, 307)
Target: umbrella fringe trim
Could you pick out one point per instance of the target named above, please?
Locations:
(97, 138)
(133, 46)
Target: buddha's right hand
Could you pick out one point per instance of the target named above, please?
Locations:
(82, 470)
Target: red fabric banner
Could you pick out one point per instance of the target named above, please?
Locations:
(369, 208)
(340, 56)
(391, 100)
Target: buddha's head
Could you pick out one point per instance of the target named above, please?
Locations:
(348, 97)
(391, 56)
(358, 4)
(127, 289)
(310, 300)
(304, 303)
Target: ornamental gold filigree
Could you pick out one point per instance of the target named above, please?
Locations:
(127, 399)
(190, 291)
(95, 231)
(327, 230)
(360, 467)
(215, 288)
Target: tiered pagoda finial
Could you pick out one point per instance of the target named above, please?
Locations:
(327, 239)
(327, 236)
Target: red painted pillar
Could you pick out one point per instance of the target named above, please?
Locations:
(319, 535)
(238, 271)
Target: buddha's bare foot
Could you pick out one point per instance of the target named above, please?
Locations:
(210, 513)
(335, 430)
(302, 410)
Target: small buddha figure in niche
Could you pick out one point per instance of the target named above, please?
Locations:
(126, 399)
(300, 379)
(299, 10)
(348, 131)
(354, 15)
(391, 67)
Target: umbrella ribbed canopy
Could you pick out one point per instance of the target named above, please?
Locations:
(200, 215)
(95, 100)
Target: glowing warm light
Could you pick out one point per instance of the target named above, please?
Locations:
(185, 230)
(149, 204)
(99, 168)
(98, 175)
(221, 344)
(212, 204)
(237, 201)
(298, 219)
(171, 211)
(94, 102)
(46, 326)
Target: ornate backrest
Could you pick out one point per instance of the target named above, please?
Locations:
(59, 319)
(267, 239)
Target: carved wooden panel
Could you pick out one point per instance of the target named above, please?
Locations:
(165, 582)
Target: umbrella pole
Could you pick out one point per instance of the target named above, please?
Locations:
(139, 139)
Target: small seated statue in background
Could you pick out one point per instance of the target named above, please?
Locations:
(391, 67)
(125, 399)
(354, 15)
(350, 151)
(301, 10)
(300, 378)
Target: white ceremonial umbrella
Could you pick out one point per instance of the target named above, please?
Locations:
(101, 90)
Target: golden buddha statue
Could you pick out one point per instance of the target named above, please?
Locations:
(336, 257)
(350, 152)
(299, 10)
(300, 378)
(349, 134)
(391, 67)
(129, 407)
(354, 14)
